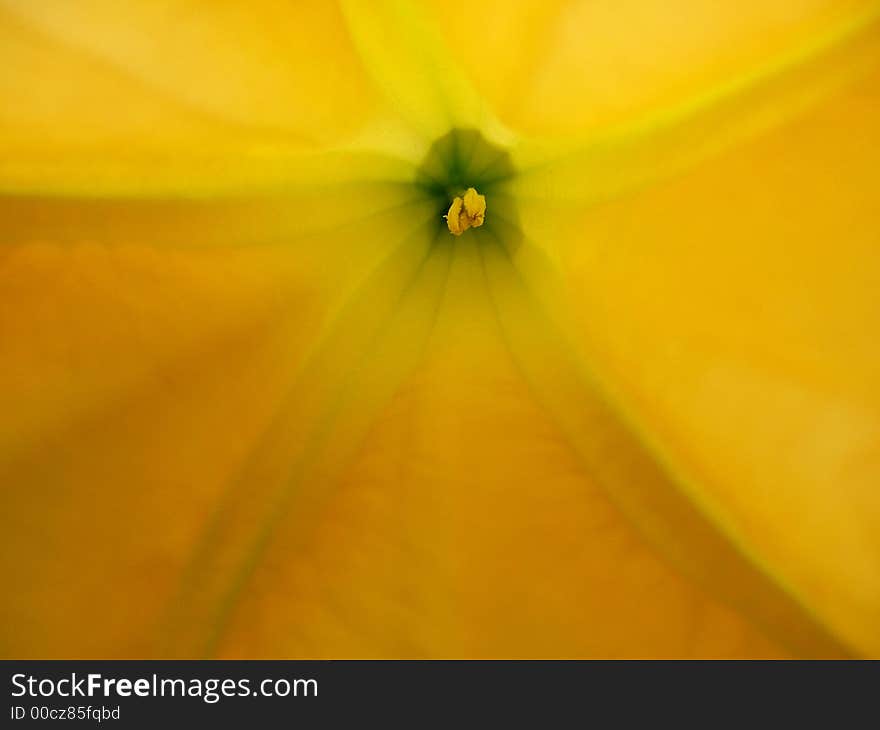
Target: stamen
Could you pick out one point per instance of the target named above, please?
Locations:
(467, 211)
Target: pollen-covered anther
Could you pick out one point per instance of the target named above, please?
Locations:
(466, 211)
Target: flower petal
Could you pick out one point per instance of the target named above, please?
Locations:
(178, 94)
(734, 309)
(561, 67)
(143, 355)
(600, 164)
(405, 54)
(465, 525)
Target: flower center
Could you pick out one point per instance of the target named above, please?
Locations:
(467, 211)
(460, 172)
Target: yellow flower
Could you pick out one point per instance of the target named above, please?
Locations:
(373, 329)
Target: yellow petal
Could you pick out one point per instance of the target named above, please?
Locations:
(463, 525)
(190, 270)
(170, 96)
(568, 67)
(417, 72)
(374, 343)
(143, 355)
(597, 165)
(734, 311)
(286, 67)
